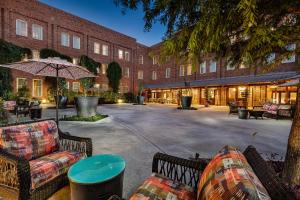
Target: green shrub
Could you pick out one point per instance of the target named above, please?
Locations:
(89, 63)
(129, 97)
(3, 117)
(84, 119)
(114, 75)
(109, 97)
(46, 53)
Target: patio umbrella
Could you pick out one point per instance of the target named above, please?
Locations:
(54, 67)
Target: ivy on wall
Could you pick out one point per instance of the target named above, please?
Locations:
(46, 53)
(89, 63)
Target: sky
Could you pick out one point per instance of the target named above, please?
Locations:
(106, 13)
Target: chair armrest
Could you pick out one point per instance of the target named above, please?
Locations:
(15, 174)
(181, 170)
(74, 143)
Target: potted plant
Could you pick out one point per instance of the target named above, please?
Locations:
(86, 106)
(140, 97)
(186, 98)
(62, 91)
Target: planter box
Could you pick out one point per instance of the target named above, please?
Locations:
(186, 101)
(140, 100)
(86, 106)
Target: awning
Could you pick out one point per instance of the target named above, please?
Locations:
(290, 83)
(237, 80)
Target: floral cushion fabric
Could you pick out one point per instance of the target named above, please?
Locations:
(30, 140)
(228, 176)
(158, 187)
(46, 168)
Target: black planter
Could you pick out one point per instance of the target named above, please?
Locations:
(86, 106)
(101, 100)
(186, 101)
(62, 101)
(140, 100)
(243, 113)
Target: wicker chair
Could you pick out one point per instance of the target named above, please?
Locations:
(188, 172)
(233, 108)
(15, 171)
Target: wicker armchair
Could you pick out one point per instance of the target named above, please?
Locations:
(15, 171)
(188, 172)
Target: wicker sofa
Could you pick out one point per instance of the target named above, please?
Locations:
(277, 110)
(35, 157)
(174, 173)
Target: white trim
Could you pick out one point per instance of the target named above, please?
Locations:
(17, 82)
(105, 51)
(78, 86)
(38, 28)
(97, 47)
(20, 32)
(202, 69)
(33, 95)
(62, 43)
(76, 42)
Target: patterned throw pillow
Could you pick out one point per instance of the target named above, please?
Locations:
(30, 140)
(228, 176)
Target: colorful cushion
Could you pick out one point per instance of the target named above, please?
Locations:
(30, 140)
(266, 106)
(159, 187)
(9, 105)
(229, 176)
(274, 107)
(46, 168)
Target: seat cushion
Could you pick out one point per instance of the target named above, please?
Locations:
(45, 168)
(159, 187)
(30, 141)
(229, 176)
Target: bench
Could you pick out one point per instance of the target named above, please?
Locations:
(35, 157)
(277, 110)
(179, 178)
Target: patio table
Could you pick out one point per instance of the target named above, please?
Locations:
(97, 177)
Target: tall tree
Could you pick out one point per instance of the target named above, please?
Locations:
(241, 31)
(114, 75)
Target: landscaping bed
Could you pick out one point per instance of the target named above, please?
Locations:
(84, 119)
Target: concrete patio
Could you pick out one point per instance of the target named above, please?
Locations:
(138, 132)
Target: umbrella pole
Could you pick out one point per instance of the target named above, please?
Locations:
(57, 98)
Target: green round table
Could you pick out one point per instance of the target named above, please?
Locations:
(97, 177)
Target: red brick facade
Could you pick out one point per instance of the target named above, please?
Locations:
(55, 22)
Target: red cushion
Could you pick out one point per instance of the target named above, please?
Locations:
(158, 187)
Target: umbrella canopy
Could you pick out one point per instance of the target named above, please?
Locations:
(54, 67)
(50, 66)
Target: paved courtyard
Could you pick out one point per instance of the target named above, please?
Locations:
(138, 132)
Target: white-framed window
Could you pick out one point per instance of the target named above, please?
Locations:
(271, 58)
(120, 54)
(292, 58)
(230, 66)
(126, 72)
(37, 32)
(168, 72)
(127, 56)
(96, 48)
(212, 66)
(35, 54)
(21, 82)
(104, 68)
(154, 75)
(141, 59)
(75, 86)
(65, 39)
(37, 87)
(67, 85)
(155, 60)
(76, 42)
(189, 69)
(105, 50)
(75, 61)
(140, 74)
(21, 28)
(181, 70)
(203, 67)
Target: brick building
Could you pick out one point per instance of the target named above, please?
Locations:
(31, 24)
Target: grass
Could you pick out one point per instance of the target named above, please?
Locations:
(84, 119)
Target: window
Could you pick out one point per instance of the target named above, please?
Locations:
(75, 61)
(230, 66)
(154, 75)
(65, 39)
(76, 42)
(127, 56)
(203, 67)
(76, 86)
(104, 50)
(271, 58)
(104, 68)
(21, 82)
(141, 59)
(37, 88)
(120, 54)
(126, 72)
(292, 58)
(68, 85)
(155, 60)
(181, 70)
(212, 66)
(37, 32)
(96, 48)
(35, 54)
(140, 74)
(189, 70)
(21, 27)
(168, 72)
